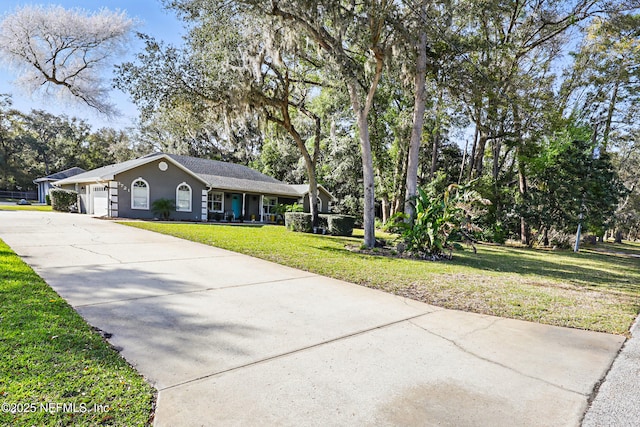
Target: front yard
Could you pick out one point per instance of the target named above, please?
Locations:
(41, 208)
(54, 369)
(597, 289)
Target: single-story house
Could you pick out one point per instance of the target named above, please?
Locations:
(201, 189)
(45, 183)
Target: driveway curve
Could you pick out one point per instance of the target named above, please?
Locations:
(232, 340)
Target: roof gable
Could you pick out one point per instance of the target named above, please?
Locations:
(107, 173)
(61, 175)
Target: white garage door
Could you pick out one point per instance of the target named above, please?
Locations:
(99, 194)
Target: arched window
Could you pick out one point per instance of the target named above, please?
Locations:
(183, 198)
(139, 194)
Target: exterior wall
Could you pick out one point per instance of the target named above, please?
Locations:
(324, 197)
(43, 190)
(162, 185)
(252, 207)
(83, 191)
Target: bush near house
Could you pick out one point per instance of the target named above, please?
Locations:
(63, 200)
(340, 225)
(337, 225)
(163, 208)
(298, 221)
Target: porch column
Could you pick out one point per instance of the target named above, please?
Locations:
(112, 212)
(78, 199)
(204, 212)
(244, 197)
(262, 208)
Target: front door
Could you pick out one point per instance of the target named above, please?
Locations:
(236, 205)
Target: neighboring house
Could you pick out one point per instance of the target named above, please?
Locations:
(45, 183)
(201, 189)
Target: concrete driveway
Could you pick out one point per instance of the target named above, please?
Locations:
(231, 340)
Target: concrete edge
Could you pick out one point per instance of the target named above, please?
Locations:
(634, 330)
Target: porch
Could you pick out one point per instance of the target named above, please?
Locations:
(229, 206)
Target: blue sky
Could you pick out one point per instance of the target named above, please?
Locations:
(152, 19)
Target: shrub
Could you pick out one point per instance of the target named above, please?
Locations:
(64, 200)
(442, 220)
(298, 221)
(395, 224)
(163, 207)
(296, 207)
(339, 225)
(47, 199)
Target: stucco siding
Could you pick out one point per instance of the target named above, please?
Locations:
(324, 198)
(162, 185)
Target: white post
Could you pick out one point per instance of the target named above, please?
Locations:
(204, 211)
(113, 199)
(262, 208)
(244, 196)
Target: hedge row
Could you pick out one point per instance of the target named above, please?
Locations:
(337, 225)
(63, 200)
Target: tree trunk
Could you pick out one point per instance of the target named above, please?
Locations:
(45, 159)
(434, 154)
(418, 121)
(496, 148)
(546, 236)
(524, 232)
(478, 160)
(400, 179)
(386, 208)
(309, 162)
(464, 160)
(368, 181)
(474, 148)
(618, 238)
(611, 110)
(525, 237)
(368, 176)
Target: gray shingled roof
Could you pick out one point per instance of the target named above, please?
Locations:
(230, 176)
(61, 175)
(223, 169)
(106, 173)
(218, 175)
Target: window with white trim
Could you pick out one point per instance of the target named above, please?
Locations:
(139, 194)
(183, 198)
(269, 205)
(216, 201)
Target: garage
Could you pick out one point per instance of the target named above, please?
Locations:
(99, 199)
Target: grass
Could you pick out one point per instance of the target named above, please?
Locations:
(49, 358)
(41, 208)
(597, 289)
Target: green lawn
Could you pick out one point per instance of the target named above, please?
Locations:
(43, 208)
(53, 366)
(593, 289)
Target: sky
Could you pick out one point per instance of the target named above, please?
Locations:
(152, 19)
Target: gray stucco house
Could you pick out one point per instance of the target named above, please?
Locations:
(201, 189)
(46, 182)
